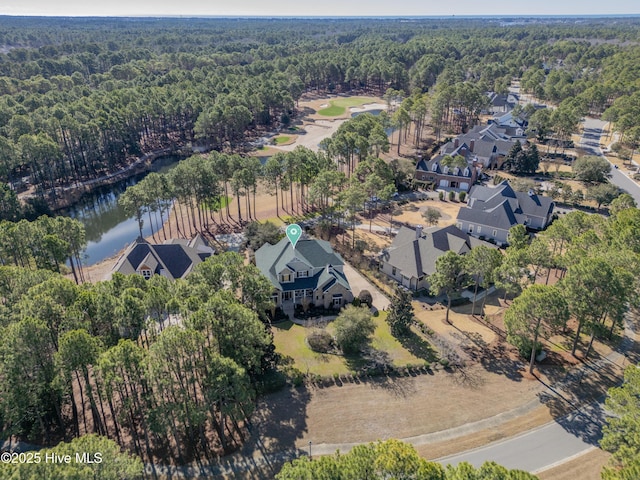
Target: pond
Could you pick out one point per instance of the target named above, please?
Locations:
(375, 112)
(108, 228)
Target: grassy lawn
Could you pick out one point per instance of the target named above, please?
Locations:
(216, 205)
(281, 140)
(289, 340)
(278, 222)
(339, 106)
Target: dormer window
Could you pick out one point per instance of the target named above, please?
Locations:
(445, 170)
(146, 273)
(456, 171)
(467, 172)
(286, 278)
(302, 274)
(434, 167)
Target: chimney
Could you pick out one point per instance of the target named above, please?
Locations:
(456, 143)
(471, 145)
(418, 231)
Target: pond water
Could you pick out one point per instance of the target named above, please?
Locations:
(375, 112)
(108, 228)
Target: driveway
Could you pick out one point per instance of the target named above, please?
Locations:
(359, 283)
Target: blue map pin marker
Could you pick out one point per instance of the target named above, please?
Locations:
(294, 232)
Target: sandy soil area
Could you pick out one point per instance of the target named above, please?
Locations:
(319, 127)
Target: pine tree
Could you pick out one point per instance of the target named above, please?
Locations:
(401, 314)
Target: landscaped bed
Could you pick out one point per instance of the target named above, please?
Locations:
(290, 341)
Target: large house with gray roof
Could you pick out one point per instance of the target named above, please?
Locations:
(412, 256)
(310, 273)
(173, 259)
(484, 146)
(491, 212)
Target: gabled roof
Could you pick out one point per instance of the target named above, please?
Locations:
(482, 141)
(428, 166)
(502, 207)
(273, 259)
(174, 259)
(415, 256)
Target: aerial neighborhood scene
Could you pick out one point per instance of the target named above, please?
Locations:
(289, 241)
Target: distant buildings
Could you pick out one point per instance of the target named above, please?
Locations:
(173, 259)
(491, 212)
(311, 273)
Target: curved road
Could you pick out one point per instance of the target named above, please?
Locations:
(543, 447)
(590, 142)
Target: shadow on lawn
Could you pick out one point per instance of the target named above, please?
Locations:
(279, 420)
(498, 359)
(574, 398)
(418, 347)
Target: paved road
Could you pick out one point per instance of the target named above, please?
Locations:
(590, 142)
(537, 449)
(558, 441)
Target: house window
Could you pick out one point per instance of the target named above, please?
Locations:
(479, 229)
(309, 293)
(146, 274)
(337, 300)
(285, 277)
(302, 274)
(286, 296)
(393, 271)
(495, 233)
(274, 298)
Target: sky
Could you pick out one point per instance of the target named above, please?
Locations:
(324, 8)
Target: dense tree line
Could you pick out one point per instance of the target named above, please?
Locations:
(597, 261)
(82, 97)
(157, 366)
(46, 243)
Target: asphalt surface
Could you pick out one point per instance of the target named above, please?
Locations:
(542, 447)
(590, 142)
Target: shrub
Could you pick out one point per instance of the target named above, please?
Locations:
(354, 328)
(365, 297)
(320, 341)
(441, 196)
(462, 196)
(452, 196)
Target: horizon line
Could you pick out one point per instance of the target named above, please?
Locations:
(330, 17)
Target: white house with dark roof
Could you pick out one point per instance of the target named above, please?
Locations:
(311, 272)
(173, 259)
(412, 256)
(491, 212)
(442, 176)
